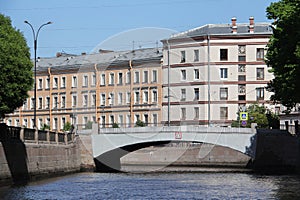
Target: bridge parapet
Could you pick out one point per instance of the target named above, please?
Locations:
(171, 129)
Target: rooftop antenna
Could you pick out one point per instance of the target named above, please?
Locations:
(133, 45)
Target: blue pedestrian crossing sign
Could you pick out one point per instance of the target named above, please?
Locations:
(243, 116)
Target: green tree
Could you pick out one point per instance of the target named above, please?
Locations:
(16, 76)
(67, 126)
(263, 117)
(139, 123)
(115, 125)
(88, 125)
(45, 127)
(283, 54)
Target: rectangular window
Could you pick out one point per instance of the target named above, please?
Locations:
(120, 78)
(40, 85)
(85, 100)
(74, 81)
(94, 80)
(102, 79)
(128, 78)
(183, 94)
(63, 102)
(196, 94)
(182, 59)
(145, 97)
(223, 54)
(260, 93)
(260, 53)
(146, 119)
(223, 93)
(242, 68)
(242, 88)
(32, 103)
(196, 55)
(63, 82)
(196, 74)
(102, 99)
(155, 119)
(242, 58)
(111, 99)
(241, 78)
(154, 96)
(145, 78)
(40, 102)
(128, 97)
(196, 112)
(183, 113)
(137, 97)
(111, 79)
(120, 98)
(183, 74)
(93, 102)
(136, 77)
(55, 82)
(260, 73)
(242, 97)
(55, 102)
(154, 76)
(223, 73)
(74, 100)
(85, 81)
(47, 106)
(48, 83)
(121, 120)
(242, 49)
(55, 124)
(223, 112)
(63, 122)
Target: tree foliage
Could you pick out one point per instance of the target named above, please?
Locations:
(16, 76)
(283, 54)
(263, 117)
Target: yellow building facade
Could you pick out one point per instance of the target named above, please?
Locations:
(111, 89)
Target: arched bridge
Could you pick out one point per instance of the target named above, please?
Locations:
(112, 144)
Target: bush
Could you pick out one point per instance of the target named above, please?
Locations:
(139, 123)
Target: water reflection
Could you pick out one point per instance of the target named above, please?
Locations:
(159, 186)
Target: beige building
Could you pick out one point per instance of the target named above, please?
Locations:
(215, 71)
(107, 87)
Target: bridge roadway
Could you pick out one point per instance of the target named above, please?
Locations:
(113, 143)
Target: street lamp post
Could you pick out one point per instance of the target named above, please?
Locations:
(35, 37)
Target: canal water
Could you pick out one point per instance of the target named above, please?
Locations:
(159, 185)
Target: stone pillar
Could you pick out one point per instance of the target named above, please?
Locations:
(48, 136)
(66, 137)
(286, 125)
(56, 137)
(296, 127)
(22, 134)
(36, 135)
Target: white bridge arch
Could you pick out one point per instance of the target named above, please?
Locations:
(111, 144)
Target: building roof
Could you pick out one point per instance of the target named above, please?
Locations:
(110, 58)
(224, 29)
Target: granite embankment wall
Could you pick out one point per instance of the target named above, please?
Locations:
(22, 161)
(187, 154)
(277, 151)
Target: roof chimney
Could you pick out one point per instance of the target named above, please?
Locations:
(233, 25)
(58, 54)
(251, 25)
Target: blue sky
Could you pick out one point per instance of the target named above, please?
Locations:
(82, 25)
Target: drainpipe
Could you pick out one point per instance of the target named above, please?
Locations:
(131, 93)
(50, 99)
(168, 82)
(97, 97)
(208, 78)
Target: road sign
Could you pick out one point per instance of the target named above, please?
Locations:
(244, 123)
(178, 135)
(243, 116)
